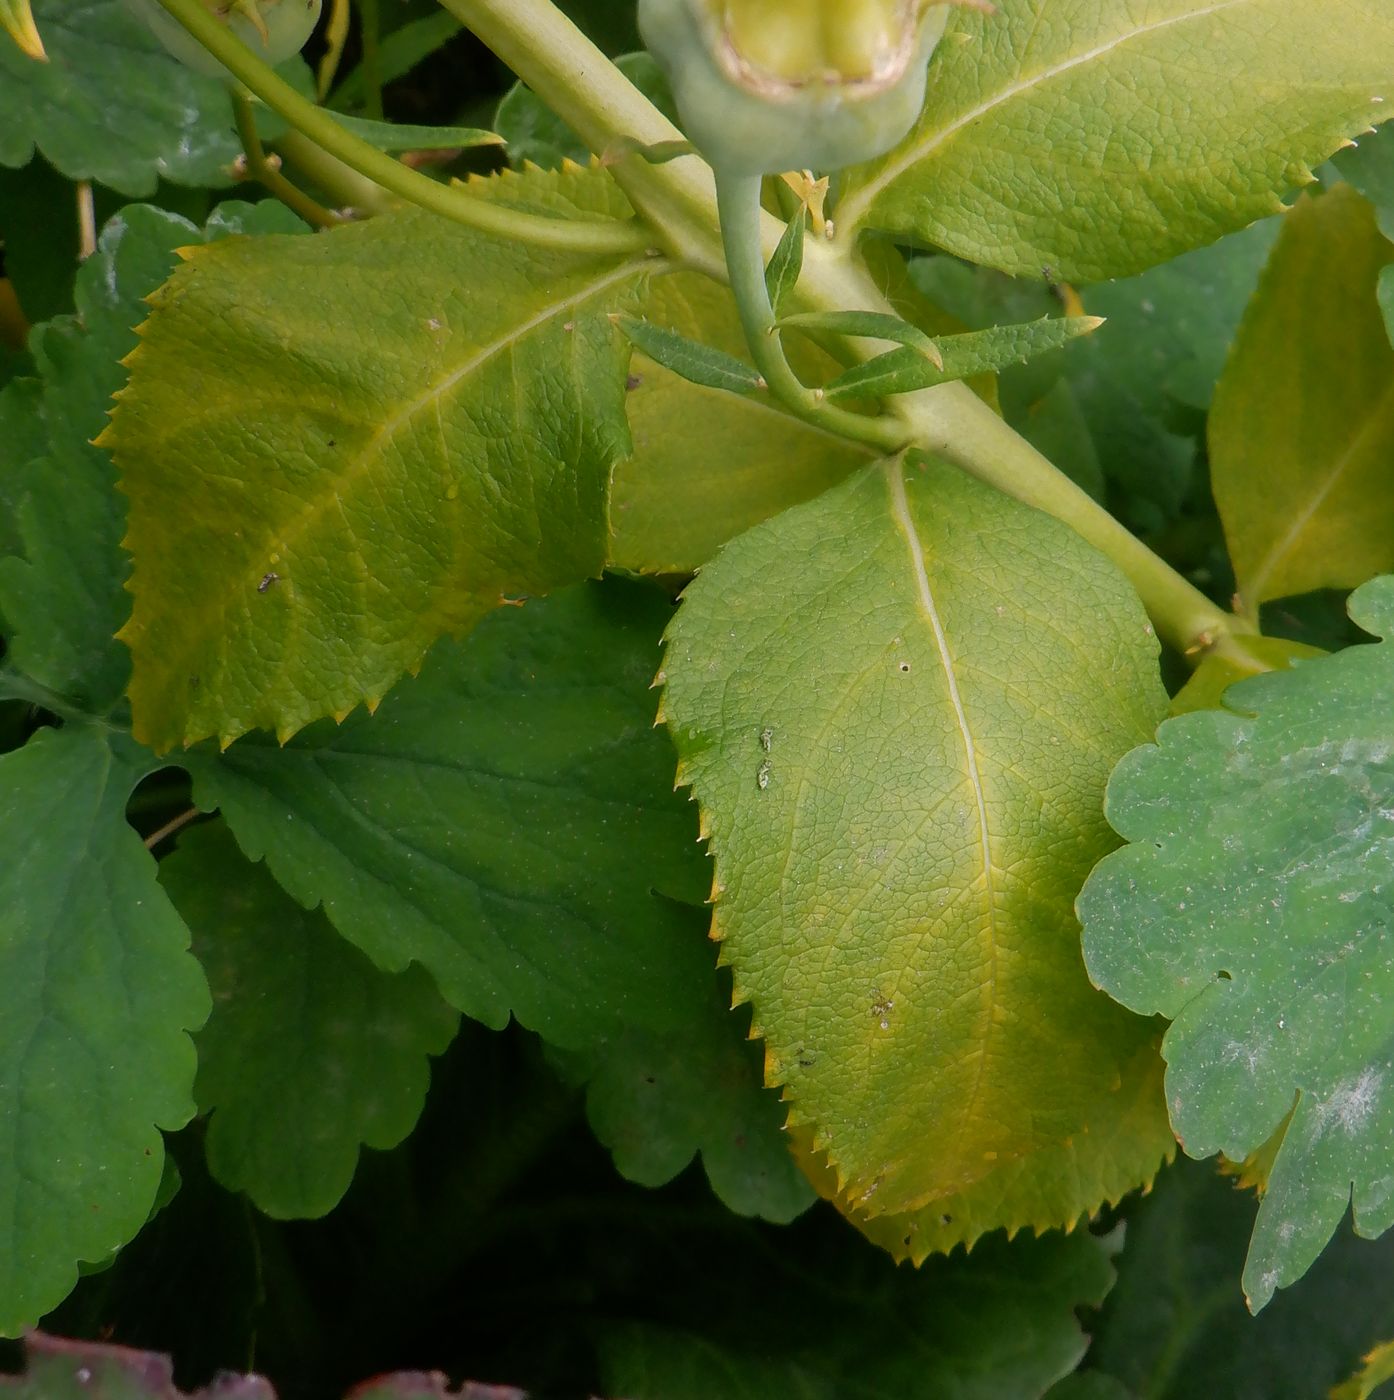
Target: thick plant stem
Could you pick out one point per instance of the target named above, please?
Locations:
(261, 169)
(579, 83)
(738, 200)
(600, 236)
(610, 115)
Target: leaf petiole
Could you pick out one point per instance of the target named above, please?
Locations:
(266, 170)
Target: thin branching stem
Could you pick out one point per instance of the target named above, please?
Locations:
(578, 236)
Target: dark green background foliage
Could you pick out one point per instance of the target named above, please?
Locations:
(396, 1042)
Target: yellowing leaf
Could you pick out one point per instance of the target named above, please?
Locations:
(1097, 138)
(898, 707)
(707, 465)
(337, 449)
(1302, 431)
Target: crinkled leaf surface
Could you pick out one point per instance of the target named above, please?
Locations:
(61, 590)
(337, 449)
(998, 1323)
(683, 493)
(1175, 1326)
(111, 104)
(310, 1051)
(1097, 138)
(97, 992)
(1252, 908)
(1302, 432)
(507, 821)
(898, 726)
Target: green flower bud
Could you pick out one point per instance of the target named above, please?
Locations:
(273, 29)
(771, 85)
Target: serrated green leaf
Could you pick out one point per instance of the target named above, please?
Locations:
(369, 385)
(1175, 1326)
(682, 493)
(699, 364)
(1251, 909)
(868, 324)
(1122, 1148)
(1369, 165)
(907, 369)
(1302, 432)
(1126, 396)
(111, 104)
(310, 1051)
(61, 589)
(97, 992)
(553, 879)
(899, 741)
(1102, 139)
(998, 1323)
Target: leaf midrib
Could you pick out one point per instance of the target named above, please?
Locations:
(900, 512)
(1379, 417)
(855, 207)
(362, 461)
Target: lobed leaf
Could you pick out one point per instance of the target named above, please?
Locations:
(337, 449)
(1251, 909)
(1096, 139)
(898, 729)
(111, 104)
(1302, 431)
(1174, 1326)
(61, 574)
(97, 994)
(310, 1051)
(507, 821)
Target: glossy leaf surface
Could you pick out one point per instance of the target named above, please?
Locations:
(419, 420)
(1302, 432)
(508, 822)
(1096, 139)
(310, 1051)
(111, 104)
(97, 994)
(899, 742)
(1252, 909)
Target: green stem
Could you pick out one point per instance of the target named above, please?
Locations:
(579, 83)
(610, 115)
(738, 202)
(600, 236)
(352, 194)
(260, 168)
(369, 35)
